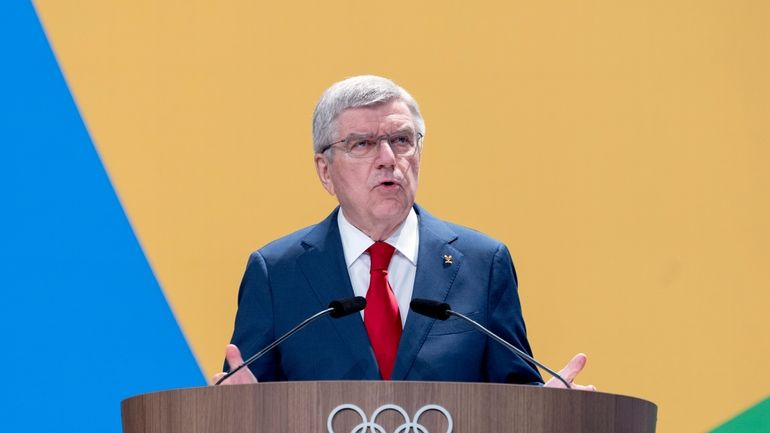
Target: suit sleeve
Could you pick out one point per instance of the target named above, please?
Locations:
(507, 321)
(254, 325)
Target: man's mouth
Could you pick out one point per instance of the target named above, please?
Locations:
(390, 183)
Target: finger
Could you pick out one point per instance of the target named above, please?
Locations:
(573, 367)
(554, 383)
(583, 387)
(235, 360)
(216, 377)
(233, 356)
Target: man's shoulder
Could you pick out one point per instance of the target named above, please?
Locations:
(292, 245)
(474, 236)
(460, 236)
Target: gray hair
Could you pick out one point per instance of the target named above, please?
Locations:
(357, 92)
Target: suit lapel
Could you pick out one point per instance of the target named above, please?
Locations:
(433, 280)
(323, 265)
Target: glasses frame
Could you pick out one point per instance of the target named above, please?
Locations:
(419, 136)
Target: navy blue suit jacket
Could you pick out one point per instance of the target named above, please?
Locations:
(298, 275)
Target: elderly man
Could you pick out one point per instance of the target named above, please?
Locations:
(367, 137)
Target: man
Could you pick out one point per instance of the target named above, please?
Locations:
(368, 136)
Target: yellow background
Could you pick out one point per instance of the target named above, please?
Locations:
(620, 149)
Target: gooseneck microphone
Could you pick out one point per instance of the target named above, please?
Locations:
(442, 311)
(338, 308)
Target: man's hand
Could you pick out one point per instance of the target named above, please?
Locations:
(569, 373)
(234, 359)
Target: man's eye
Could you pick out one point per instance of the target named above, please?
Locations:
(401, 140)
(361, 143)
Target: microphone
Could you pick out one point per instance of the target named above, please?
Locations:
(442, 311)
(346, 307)
(337, 308)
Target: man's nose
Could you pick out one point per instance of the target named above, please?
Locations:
(385, 154)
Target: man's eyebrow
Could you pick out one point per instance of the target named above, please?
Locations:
(402, 130)
(405, 128)
(360, 134)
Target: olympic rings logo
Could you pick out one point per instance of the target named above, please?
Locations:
(409, 425)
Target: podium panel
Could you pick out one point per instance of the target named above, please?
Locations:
(385, 407)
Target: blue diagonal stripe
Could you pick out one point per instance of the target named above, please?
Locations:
(83, 320)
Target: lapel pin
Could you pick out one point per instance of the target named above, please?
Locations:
(447, 259)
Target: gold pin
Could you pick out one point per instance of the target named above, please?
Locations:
(447, 259)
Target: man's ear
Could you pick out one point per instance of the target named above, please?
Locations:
(323, 168)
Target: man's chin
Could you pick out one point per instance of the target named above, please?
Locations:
(394, 211)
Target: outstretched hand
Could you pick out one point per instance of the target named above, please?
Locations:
(234, 359)
(569, 372)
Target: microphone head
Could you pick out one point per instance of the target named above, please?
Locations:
(432, 309)
(348, 306)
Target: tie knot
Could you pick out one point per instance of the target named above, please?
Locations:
(381, 253)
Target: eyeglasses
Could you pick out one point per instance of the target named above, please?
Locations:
(404, 143)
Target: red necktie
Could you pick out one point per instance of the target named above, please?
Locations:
(381, 316)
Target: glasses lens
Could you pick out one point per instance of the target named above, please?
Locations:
(364, 146)
(360, 146)
(402, 143)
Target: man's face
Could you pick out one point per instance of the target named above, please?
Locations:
(375, 193)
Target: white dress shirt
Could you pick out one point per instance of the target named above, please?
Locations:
(403, 265)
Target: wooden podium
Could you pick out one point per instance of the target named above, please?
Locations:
(385, 407)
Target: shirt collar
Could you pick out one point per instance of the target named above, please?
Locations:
(355, 242)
